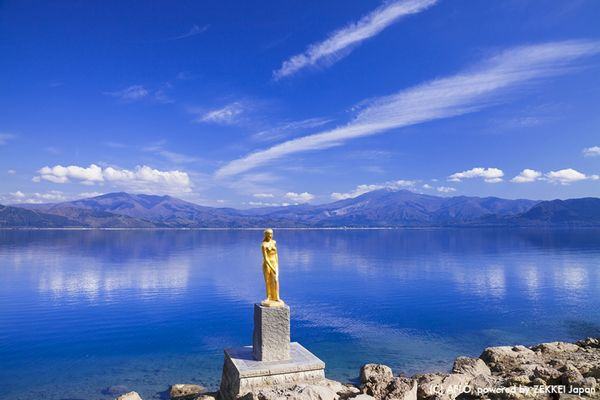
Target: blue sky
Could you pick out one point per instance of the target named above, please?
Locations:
(264, 103)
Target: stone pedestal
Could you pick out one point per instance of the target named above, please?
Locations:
(271, 338)
(242, 373)
(272, 360)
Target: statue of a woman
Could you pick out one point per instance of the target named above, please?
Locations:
(271, 270)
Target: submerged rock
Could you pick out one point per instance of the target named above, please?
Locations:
(129, 396)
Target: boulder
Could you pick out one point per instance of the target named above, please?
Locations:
(507, 358)
(441, 386)
(571, 376)
(589, 343)
(129, 396)
(470, 366)
(375, 373)
(402, 388)
(363, 396)
(295, 392)
(556, 347)
(375, 379)
(183, 391)
(548, 374)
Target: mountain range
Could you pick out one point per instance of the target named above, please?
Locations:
(381, 208)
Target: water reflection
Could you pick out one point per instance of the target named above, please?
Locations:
(173, 299)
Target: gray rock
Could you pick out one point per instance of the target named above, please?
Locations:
(506, 358)
(296, 392)
(589, 343)
(363, 396)
(571, 376)
(556, 347)
(181, 391)
(129, 396)
(470, 366)
(442, 386)
(402, 389)
(375, 373)
(271, 337)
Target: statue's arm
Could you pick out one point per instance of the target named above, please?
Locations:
(266, 259)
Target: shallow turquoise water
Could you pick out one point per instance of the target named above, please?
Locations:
(84, 310)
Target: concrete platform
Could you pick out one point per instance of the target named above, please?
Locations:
(242, 373)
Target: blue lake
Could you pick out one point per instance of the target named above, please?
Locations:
(84, 310)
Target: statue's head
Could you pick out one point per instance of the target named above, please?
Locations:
(268, 234)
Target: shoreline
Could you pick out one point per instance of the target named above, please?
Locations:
(552, 370)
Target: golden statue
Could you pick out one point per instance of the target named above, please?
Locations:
(271, 270)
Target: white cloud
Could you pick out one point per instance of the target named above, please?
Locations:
(445, 189)
(341, 42)
(18, 194)
(227, 115)
(19, 197)
(591, 151)
(263, 204)
(142, 178)
(303, 197)
(5, 137)
(441, 98)
(527, 175)
(11, 172)
(427, 186)
(131, 93)
(567, 176)
(263, 195)
(362, 189)
(489, 175)
(86, 195)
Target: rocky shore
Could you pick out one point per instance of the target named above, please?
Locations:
(545, 371)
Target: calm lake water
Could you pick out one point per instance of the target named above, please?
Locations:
(84, 310)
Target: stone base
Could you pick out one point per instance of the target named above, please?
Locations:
(271, 337)
(243, 374)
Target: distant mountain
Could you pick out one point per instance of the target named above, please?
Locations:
(572, 212)
(11, 217)
(381, 208)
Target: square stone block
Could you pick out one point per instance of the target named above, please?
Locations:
(242, 373)
(271, 338)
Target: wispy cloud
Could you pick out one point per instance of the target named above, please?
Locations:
(489, 175)
(5, 138)
(593, 151)
(135, 93)
(340, 43)
(194, 30)
(172, 156)
(229, 114)
(463, 93)
(362, 189)
(142, 178)
(130, 93)
(287, 128)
